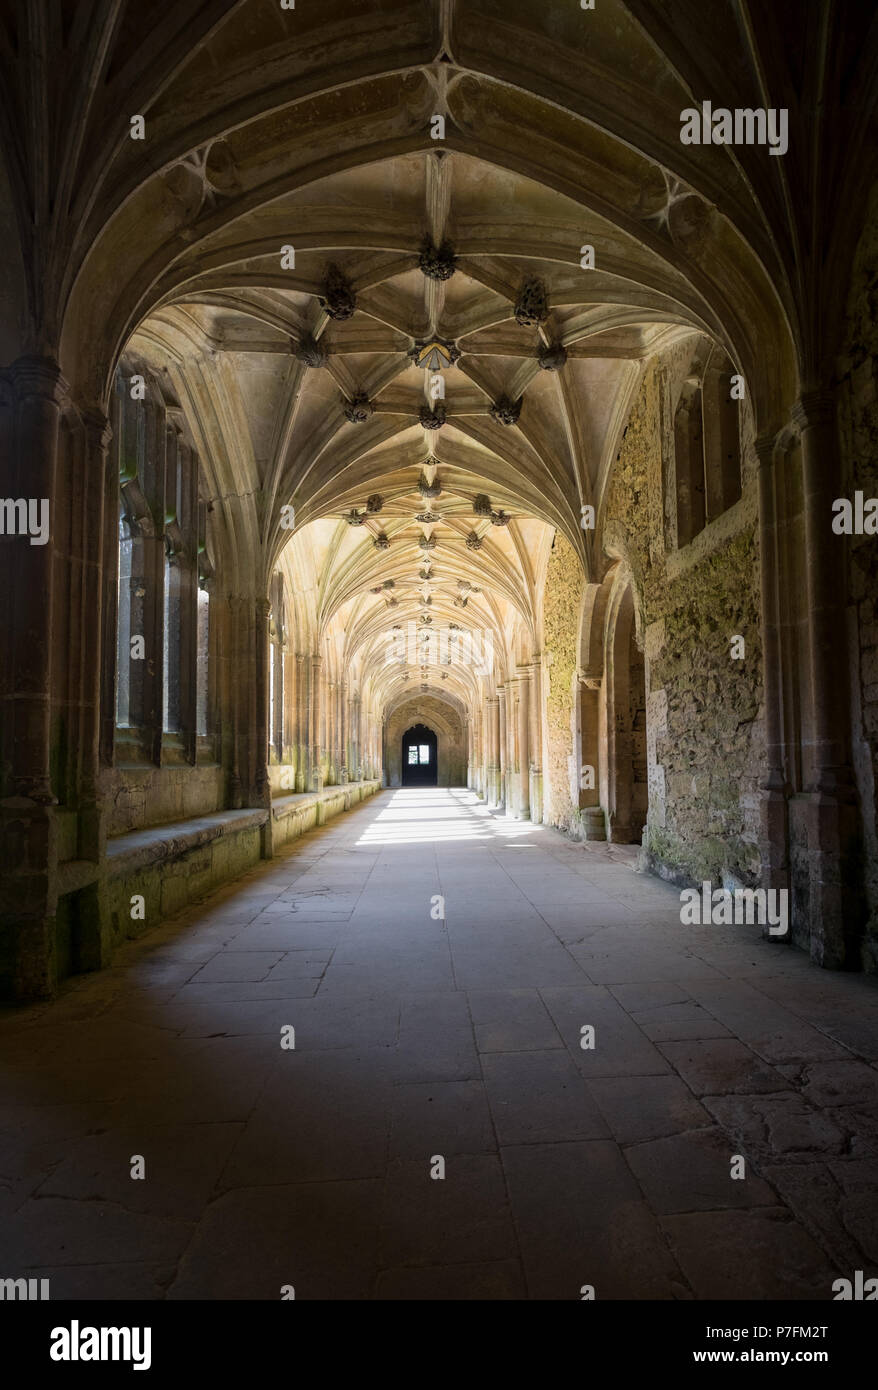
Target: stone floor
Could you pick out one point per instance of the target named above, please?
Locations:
(417, 1037)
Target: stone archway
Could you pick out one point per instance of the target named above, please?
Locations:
(445, 721)
(420, 767)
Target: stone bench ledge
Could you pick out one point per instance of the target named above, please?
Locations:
(127, 853)
(283, 806)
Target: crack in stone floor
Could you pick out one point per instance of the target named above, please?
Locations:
(419, 1037)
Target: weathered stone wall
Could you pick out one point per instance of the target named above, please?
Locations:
(704, 707)
(141, 797)
(859, 429)
(561, 614)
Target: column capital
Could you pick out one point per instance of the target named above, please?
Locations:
(813, 408)
(38, 376)
(765, 446)
(97, 427)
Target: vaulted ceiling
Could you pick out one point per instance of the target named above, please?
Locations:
(313, 129)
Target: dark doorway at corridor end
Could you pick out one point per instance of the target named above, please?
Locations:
(419, 760)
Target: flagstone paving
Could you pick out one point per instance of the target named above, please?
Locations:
(427, 1043)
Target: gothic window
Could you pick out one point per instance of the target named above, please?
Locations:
(707, 448)
(689, 455)
(162, 622)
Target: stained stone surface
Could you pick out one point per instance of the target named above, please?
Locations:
(420, 1038)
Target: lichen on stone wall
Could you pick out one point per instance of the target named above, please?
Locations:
(711, 749)
(561, 616)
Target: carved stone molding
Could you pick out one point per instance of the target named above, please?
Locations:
(359, 409)
(432, 419)
(429, 489)
(506, 411)
(437, 263)
(552, 357)
(312, 353)
(532, 304)
(338, 299)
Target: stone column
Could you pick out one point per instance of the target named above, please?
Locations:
(524, 743)
(493, 742)
(774, 811)
(301, 724)
(39, 390)
(262, 786)
(834, 908)
(31, 417)
(344, 752)
(353, 737)
(503, 761)
(98, 434)
(314, 712)
(536, 739)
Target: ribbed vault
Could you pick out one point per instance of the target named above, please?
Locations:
(291, 232)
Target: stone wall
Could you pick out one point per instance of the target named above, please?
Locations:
(705, 734)
(140, 797)
(859, 430)
(561, 616)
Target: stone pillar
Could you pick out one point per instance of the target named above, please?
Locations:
(503, 774)
(593, 820)
(39, 389)
(301, 724)
(536, 739)
(97, 441)
(345, 752)
(315, 771)
(493, 720)
(834, 909)
(774, 809)
(262, 785)
(523, 744)
(31, 417)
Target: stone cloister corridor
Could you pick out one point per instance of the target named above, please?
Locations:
(438, 650)
(416, 1036)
